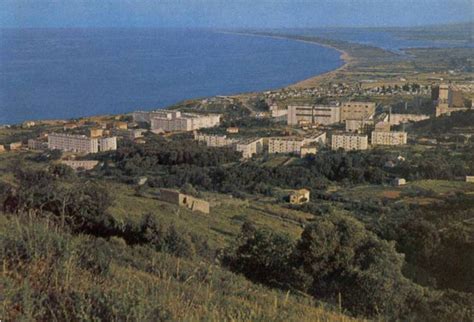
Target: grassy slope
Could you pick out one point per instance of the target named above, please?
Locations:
(140, 284)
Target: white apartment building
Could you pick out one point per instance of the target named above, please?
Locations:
(349, 142)
(292, 144)
(250, 147)
(72, 143)
(214, 140)
(389, 138)
(357, 111)
(80, 143)
(107, 143)
(312, 114)
(171, 121)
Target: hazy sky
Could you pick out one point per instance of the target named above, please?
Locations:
(231, 13)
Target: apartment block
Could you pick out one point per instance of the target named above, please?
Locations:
(80, 143)
(107, 143)
(349, 142)
(73, 143)
(174, 121)
(357, 111)
(293, 144)
(312, 114)
(214, 140)
(449, 99)
(389, 138)
(249, 147)
(36, 144)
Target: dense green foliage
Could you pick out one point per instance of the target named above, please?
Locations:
(339, 261)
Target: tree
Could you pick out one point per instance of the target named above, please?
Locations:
(342, 259)
(261, 255)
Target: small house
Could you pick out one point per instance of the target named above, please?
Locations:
(299, 196)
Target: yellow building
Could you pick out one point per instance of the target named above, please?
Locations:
(95, 133)
(299, 196)
(187, 201)
(313, 114)
(357, 111)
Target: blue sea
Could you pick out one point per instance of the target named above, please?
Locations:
(67, 73)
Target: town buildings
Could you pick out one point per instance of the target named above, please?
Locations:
(448, 99)
(313, 114)
(37, 144)
(389, 138)
(293, 144)
(349, 141)
(107, 143)
(80, 143)
(174, 121)
(250, 147)
(214, 140)
(96, 132)
(357, 111)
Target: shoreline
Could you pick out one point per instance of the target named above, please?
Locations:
(347, 59)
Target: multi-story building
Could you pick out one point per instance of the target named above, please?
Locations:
(448, 99)
(173, 121)
(389, 138)
(250, 147)
(80, 143)
(107, 143)
(293, 144)
(349, 142)
(73, 143)
(312, 114)
(96, 132)
(37, 144)
(214, 140)
(357, 111)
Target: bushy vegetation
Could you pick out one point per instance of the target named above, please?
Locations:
(338, 260)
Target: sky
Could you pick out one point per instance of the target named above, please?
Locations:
(232, 13)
